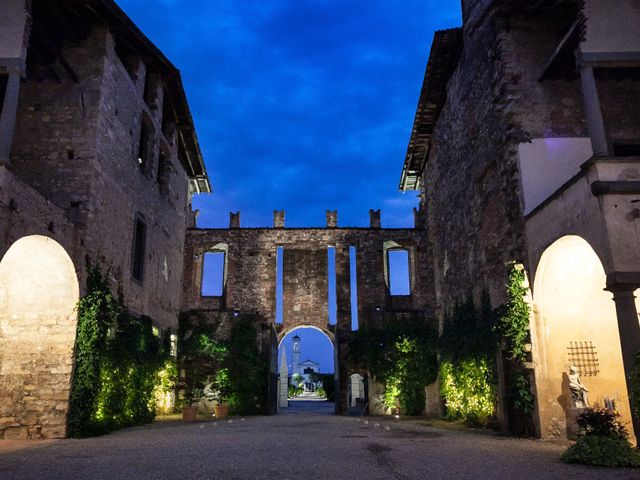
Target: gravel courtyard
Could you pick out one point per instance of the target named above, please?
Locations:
(307, 442)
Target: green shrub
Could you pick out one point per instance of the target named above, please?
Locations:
(320, 392)
(604, 443)
(602, 421)
(604, 451)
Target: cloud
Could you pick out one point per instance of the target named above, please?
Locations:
(303, 106)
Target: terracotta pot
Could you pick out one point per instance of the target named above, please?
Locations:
(221, 411)
(190, 414)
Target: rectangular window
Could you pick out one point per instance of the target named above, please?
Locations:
(164, 170)
(213, 274)
(279, 284)
(399, 279)
(143, 148)
(353, 274)
(139, 247)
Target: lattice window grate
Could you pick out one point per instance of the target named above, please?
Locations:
(584, 356)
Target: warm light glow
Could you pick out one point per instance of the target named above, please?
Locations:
(573, 306)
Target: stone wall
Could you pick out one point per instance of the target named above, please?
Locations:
(251, 272)
(470, 182)
(85, 161)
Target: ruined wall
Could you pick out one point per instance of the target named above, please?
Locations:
(251, 273)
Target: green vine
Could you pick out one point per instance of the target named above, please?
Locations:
(513, 328)
(402, 356)
(513, 325)
(116, 365)
(468, 378)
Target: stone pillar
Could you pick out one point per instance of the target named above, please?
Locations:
(374, 218)
(283, 384)
(234, 219)
(593, 112)
(332, 218)
(629, 328)
(278, 219)
(343, 287)
(8, 116)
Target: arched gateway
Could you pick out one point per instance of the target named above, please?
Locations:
(38, 294)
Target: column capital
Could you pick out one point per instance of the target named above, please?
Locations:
(621, 283)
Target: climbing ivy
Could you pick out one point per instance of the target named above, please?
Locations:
(468, 379)
(230, 362)
(402, 356)
(117, 358)
(513, 329)
(248, 369)
(513, 324)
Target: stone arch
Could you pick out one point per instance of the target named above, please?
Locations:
(38, 294)
(574, 314)
(287, 331)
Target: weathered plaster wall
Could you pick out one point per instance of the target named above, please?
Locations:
(14, 24)
(604, 17)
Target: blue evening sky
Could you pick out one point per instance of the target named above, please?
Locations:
(300, 105)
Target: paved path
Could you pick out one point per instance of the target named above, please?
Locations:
(298, 445)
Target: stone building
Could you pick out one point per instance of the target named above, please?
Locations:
(98, 159)
(526, 148)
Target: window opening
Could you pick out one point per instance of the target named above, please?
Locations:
(139, 246)
(213, 274)
(353, 280)
(399, 283)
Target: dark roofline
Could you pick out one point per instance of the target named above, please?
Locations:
(443, 59)
(124, 28)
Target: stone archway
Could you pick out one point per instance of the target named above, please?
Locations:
(307, 364)
(38, 295)
(575, 323)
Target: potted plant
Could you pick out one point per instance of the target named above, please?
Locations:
(190, 407)
(223, 387)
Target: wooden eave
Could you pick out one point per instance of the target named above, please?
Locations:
(443, 59)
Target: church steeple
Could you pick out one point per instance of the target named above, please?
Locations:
(295, 360)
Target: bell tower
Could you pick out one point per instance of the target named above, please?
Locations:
(295, 359)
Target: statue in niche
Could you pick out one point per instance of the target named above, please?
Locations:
(578, 390)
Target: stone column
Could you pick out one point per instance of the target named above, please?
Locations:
(8, 116)
(593, 112)
(278, 219)
(343, 287)
(629, 328)
(234, 219)
(283, 384)
(374, 219)
(332, 218)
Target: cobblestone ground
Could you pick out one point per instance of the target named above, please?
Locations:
(307, 442)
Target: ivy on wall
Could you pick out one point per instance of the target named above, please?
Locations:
(513, 329)
(118, 358)
(231, 363)
(402, 356)
(468, 379)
